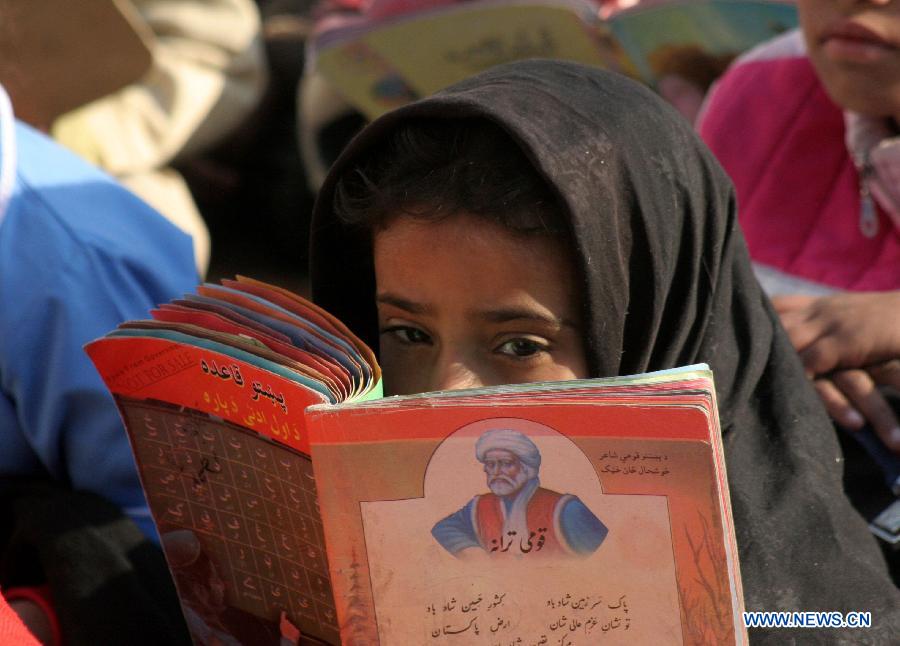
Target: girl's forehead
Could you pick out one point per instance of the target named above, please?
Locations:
(468, 262)
(466, 234)
(463, 227)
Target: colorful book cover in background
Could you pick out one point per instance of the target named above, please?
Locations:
(389, 62)
(392, 62)
(650, 33)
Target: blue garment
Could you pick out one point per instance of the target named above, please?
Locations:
(457, 532)
(79, 254)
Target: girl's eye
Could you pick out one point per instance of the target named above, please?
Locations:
(522, 348)
(407, 334)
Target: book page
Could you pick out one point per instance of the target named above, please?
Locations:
(222, 453)
(239, 524)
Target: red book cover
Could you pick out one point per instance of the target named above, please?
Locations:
(222, 453)
(609, 522)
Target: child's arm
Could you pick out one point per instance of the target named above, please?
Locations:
(849, 344)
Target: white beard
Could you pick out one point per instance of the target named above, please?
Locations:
(506, 486)
(519, 489)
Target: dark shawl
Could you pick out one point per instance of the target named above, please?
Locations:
(666, 282)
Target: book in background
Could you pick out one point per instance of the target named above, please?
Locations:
(289, 495)
(382, 60)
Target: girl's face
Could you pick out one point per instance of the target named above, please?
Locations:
(855, 48)
(464, 302)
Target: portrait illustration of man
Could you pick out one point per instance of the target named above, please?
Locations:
(518, 516)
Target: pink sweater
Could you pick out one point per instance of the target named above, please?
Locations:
(782, 141)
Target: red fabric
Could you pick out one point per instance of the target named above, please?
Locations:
(538, 515)
(781, 138)
(12, 631)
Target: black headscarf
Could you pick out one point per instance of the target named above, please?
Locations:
(666, 281)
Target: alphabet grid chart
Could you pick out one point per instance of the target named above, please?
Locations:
(251, 504)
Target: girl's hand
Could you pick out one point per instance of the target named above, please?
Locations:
(849, 345)
(842, 331)
(852, 398)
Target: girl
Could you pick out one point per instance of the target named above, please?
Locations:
(544, 220)
(808, 127)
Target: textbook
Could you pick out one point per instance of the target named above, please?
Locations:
(397, 52)
(295, 504)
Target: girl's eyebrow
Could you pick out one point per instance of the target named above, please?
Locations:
(403, 304)
(507, 314)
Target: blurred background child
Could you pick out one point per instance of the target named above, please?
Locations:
(807, 127)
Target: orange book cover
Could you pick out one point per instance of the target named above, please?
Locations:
(546, 516)
(222, 454)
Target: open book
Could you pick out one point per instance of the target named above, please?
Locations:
(395, 53)
(291, 498)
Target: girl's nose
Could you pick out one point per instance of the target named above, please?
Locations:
(454, 373)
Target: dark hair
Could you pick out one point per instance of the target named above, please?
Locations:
(431, 169)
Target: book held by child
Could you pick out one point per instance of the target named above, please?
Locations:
(296, 505)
